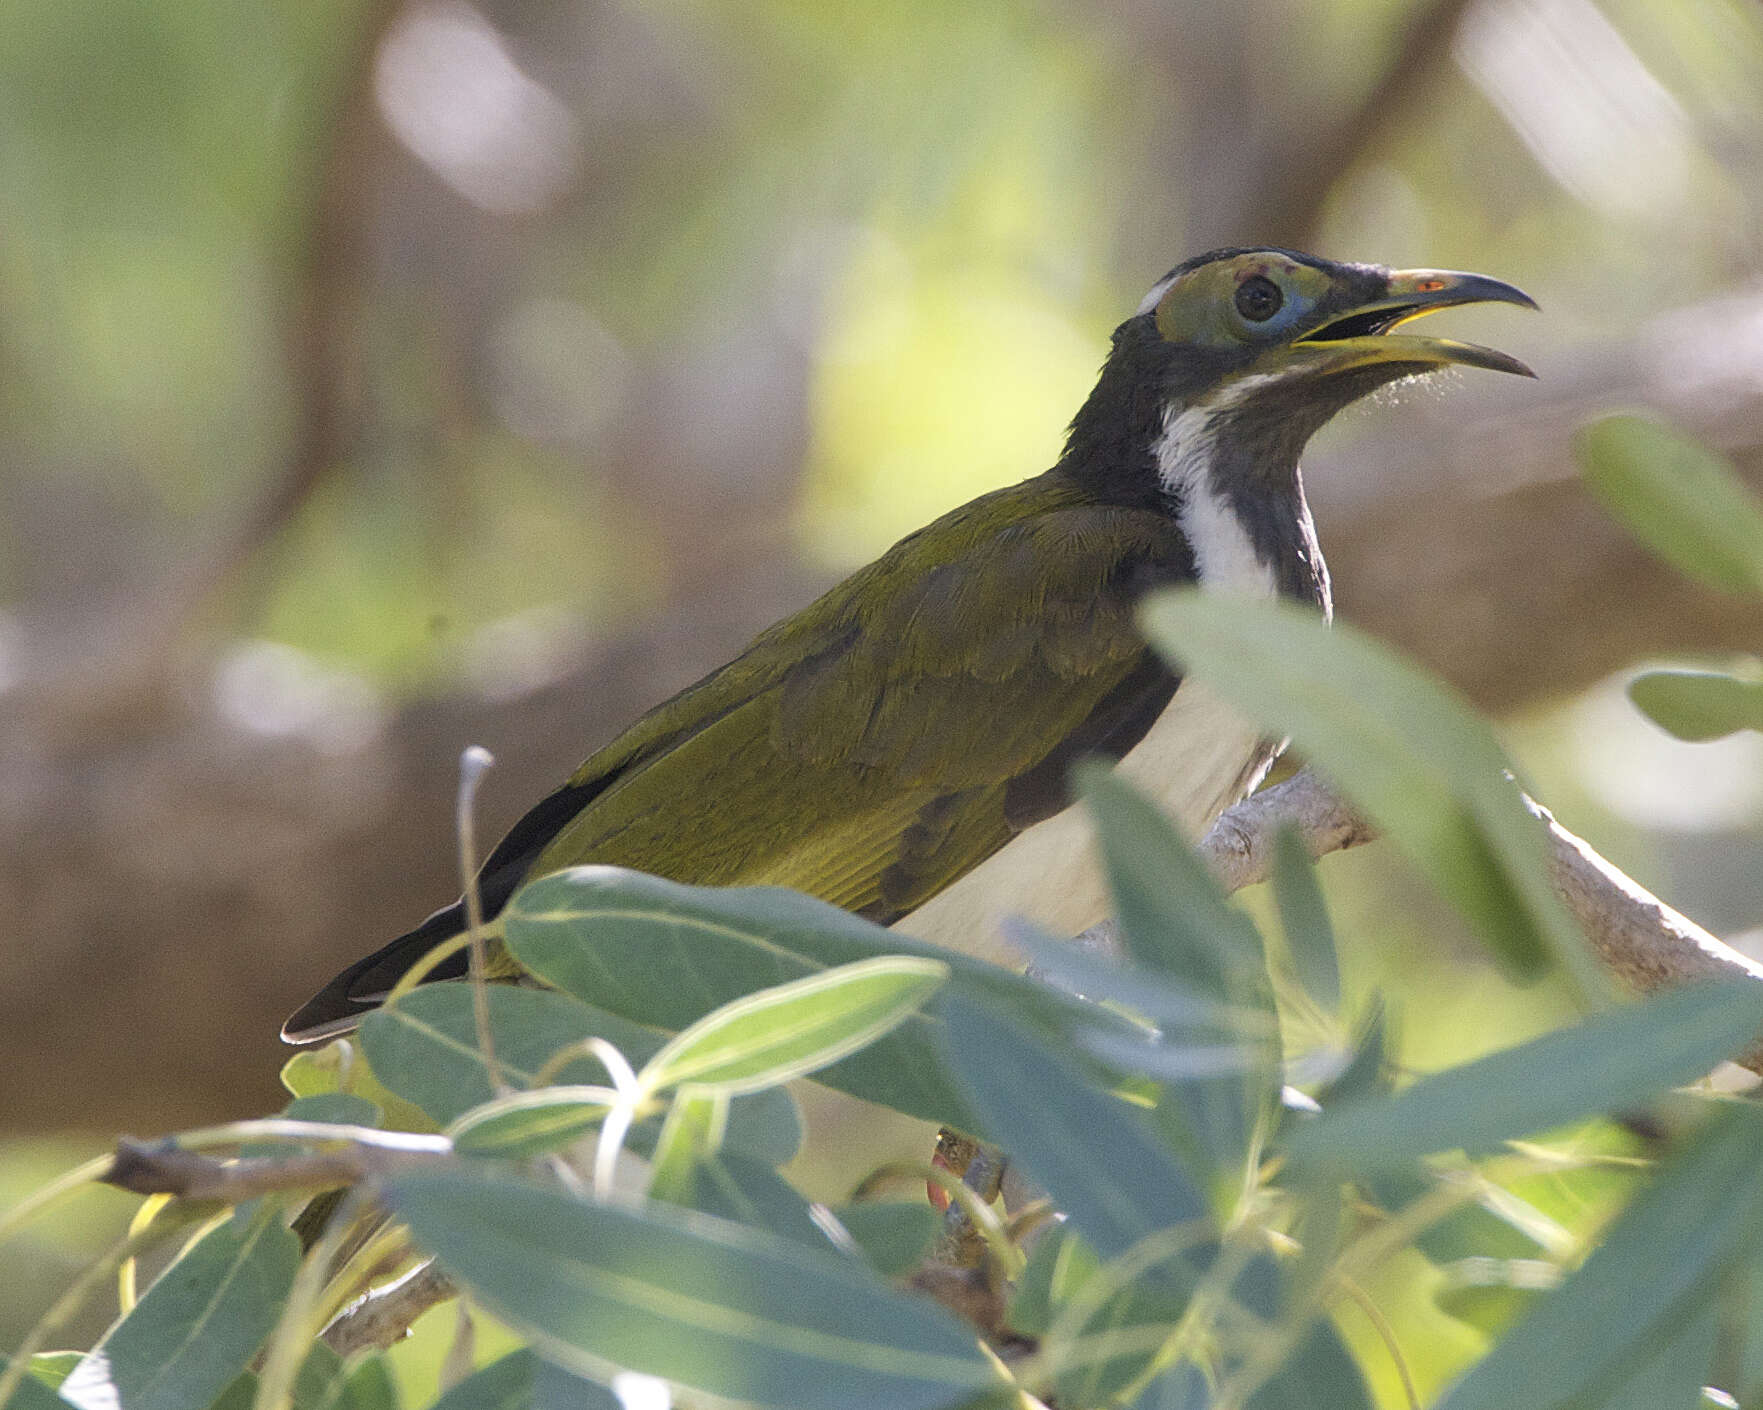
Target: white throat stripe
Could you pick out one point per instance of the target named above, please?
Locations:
(1223, 554)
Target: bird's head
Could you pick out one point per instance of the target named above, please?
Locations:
(1259, 347)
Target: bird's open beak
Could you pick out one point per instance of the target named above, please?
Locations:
(1362, 336)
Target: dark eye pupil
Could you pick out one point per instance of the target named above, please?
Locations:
(1258, 299)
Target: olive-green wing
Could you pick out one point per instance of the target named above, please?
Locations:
(876, 746)
(907, 725)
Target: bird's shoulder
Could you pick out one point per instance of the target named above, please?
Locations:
(970, 659)
(1028, 586)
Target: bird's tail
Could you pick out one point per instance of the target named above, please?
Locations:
(340, 1006)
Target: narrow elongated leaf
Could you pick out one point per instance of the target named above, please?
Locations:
(523, 1380)
(52, 1367)
(1406, 751)
(693, 1130)
(1610, 1061)
(334, 1109)
(505, 1384)
(1174, 920)
(368, 1385)
(699, 1301)
(326, 1382)
(525, 1124)
(1102, 978)
(764, 1124)
(337, 1069)
(1319, 1370)
(1698, 705)
(1677, 497)
(197, 1326)
(738, 1188)
(1110, 1352)
(555, 1388)
(1303, 915)
(1701, 1216)
(664, 954)
(893, 1235)
(1182, 1387)
(792, 1029)
(1096, 1158)
(424, 1046)
(1671, 1370)
(32, 1393)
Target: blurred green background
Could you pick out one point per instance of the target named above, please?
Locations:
(378, 378)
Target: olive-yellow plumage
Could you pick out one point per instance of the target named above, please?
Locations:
(916, 724)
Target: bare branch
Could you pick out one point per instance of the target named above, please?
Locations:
(1645, 943)
(383, 1317)
(1239, 847)
(164, 1168)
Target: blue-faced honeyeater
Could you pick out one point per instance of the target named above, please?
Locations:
(901, 747)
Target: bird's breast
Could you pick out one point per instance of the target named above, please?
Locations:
(1196, 760)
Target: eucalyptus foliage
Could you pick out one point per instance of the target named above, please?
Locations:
(1208, 1204)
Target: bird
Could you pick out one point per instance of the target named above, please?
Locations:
(902, 746)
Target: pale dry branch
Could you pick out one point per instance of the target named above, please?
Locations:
(384, 1316)
(1642, 941)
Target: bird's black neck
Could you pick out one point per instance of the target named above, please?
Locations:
(1148, 438)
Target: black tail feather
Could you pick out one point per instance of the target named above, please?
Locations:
(340, 1006)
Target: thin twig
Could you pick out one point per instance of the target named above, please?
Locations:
(473, 763)
(165, 1169)
(383, 1317)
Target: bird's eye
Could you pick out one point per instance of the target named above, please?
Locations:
(1258, 298)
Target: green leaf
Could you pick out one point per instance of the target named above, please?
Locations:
(1610, 1061)
(1058, 1265)
(746, 1191)
(1661, 1261)
(664, 954)
(241, 1394)
(765, 1125)
(1174, 921)
(1101, 978)
(53, 1367)
(1182, 1387)
(1409, 754)
(1681, 500)
(1115, 1344)
(33, 1392)
(1698, 705)
(708, 1304)
(1672, 1369)
(369, 1385)
(333, 1108)
(693, 1131)
(505, 1384)
(337, 1068)
(796, 1028)
(326, 1382)
(893, 1235)
(1319, 1371)
(1095, 1156)
(1303, 915)
(531, 1123)
(199, 1323)
(1490, 1294)
(523, 1380)
(424, 1046)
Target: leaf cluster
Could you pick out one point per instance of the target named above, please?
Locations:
(1213, 1168)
